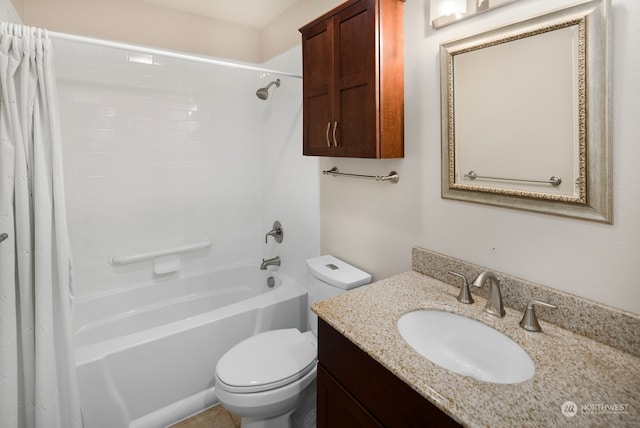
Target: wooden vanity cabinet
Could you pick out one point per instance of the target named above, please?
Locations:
(354, 390)
(353, 81)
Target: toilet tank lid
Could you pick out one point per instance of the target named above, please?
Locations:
(335, 272)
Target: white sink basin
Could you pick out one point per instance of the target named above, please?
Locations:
(466, 346)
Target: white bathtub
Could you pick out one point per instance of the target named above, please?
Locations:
(146, 356)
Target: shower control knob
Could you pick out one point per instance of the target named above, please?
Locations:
(276, 232)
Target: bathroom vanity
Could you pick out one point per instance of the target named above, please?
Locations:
(369, 376)
(355, 390)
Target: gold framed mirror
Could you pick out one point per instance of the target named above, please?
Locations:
(525, 115)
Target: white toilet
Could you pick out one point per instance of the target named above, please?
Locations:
(267, 377)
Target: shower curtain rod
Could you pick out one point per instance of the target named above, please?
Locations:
(166, 53)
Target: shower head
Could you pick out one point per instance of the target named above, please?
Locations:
(263, 93)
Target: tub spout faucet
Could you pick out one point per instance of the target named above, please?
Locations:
(270, 262)
(494, 301)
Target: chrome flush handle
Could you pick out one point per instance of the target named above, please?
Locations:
(3, 236)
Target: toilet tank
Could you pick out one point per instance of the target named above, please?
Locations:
(329, 276)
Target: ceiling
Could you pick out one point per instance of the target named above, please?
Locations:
(250, 13)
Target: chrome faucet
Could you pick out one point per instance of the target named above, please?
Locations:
(494, 301)
(270, 262)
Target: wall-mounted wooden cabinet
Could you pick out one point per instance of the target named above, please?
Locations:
(353, 81)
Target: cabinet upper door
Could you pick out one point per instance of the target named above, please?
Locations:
(355, 102)
(353, 97)
(318, 61)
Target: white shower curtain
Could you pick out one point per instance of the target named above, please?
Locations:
(38, 386)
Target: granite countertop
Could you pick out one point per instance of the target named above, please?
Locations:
(602, 381)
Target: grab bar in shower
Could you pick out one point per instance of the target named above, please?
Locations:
(393, 176)
(554, 181)
(122, 260)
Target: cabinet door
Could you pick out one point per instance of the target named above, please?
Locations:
(369, 388)
(318, 63)
(337, 408)
(355, 102)
(353, 99)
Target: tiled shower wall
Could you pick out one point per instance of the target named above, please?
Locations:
(158, 153)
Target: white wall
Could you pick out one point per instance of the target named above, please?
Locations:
(374, 225)
(290, 181)
(146, 24)
(8, 12)
(281, 34)
(142, 23)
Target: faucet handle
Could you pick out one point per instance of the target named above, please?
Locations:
(465, 294)
(529, 320)
(276, 231)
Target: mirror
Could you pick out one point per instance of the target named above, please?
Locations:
(525, 115)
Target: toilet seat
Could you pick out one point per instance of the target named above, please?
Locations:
(267, 361)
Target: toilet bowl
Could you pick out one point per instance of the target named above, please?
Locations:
(264, 377)
(268, 377)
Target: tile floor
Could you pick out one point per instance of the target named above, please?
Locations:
(215, 417)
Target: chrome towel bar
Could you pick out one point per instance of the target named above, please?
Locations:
(393, 176)
(554, 181)
(121, 260)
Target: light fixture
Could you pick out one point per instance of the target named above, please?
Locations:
(445, 12)
(439, 8)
